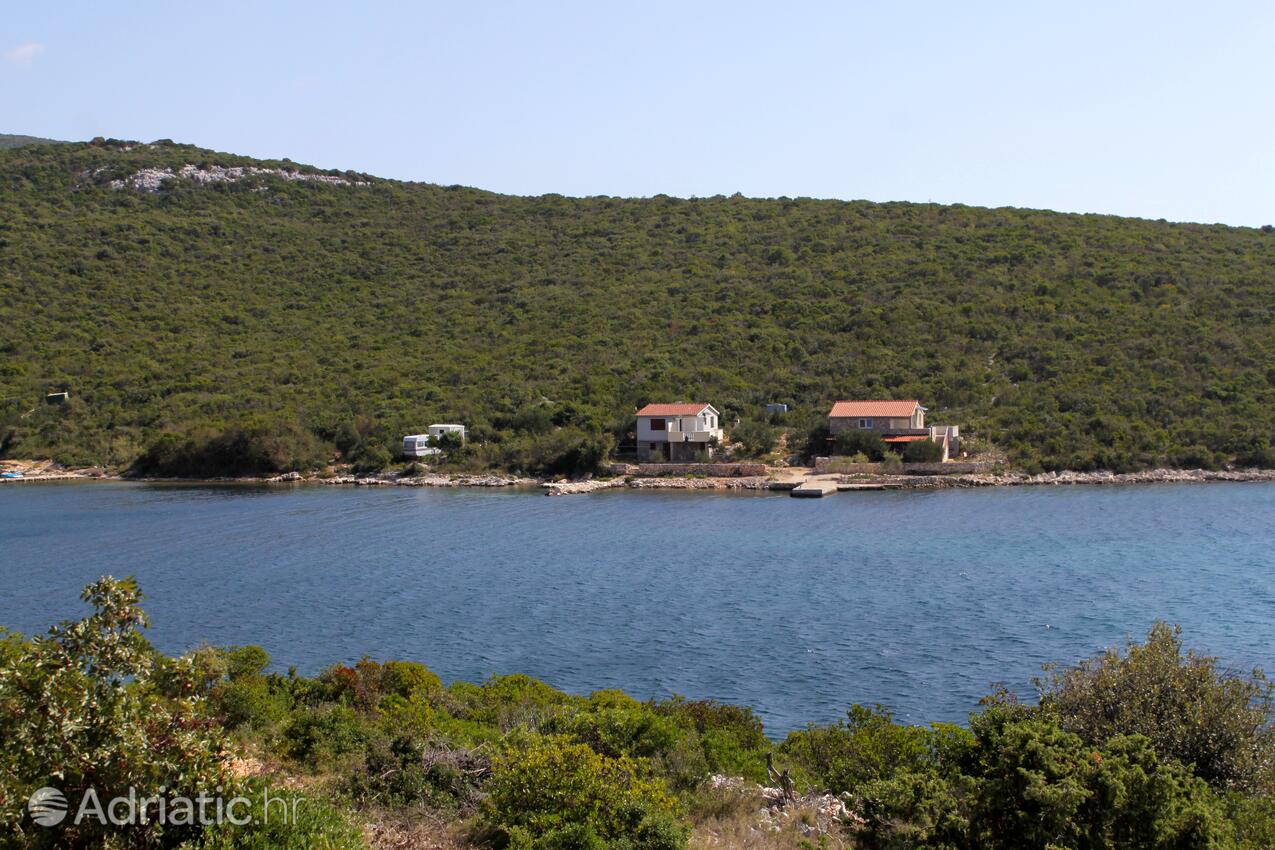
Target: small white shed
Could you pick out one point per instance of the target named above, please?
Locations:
(439, 430)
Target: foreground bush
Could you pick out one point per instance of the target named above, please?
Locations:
(1015, 781)
(79, 709)
(1036, 785)
(93, 706)
(868, 745)
(1218, 723)
(318, 825)
(412, 772)
(551, 793)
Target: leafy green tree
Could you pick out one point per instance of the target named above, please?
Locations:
(79, 710)
(1217, 722)
(758, 437)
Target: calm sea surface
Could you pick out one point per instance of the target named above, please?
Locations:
(796, 607)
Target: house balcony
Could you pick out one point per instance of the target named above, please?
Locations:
(693, 436)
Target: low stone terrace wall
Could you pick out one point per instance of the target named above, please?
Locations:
(825, 465)
(713, 470)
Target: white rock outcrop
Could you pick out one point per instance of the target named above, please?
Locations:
(153, 179)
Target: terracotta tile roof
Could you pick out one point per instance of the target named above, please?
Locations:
(874, 407)
(671, 409)
(907, 438)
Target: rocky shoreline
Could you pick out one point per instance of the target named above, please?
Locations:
(779, 479)
(572, 488)
(1021, 479)
(915, 482)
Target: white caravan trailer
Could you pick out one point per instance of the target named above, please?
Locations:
(418, 445)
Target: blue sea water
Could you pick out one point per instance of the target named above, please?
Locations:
(798, 608)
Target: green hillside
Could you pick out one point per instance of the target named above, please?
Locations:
(359, 311)
(9, 140)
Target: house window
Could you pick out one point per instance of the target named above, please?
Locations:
(654, 446)
(657, 424)
(865, 423)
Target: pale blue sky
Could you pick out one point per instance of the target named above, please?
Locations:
(1161, 110)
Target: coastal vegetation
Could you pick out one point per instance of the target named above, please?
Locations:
(1145, 746)
(12, 140)
(208, 312)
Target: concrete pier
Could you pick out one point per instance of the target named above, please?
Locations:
(814, 488)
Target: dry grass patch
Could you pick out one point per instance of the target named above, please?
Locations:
(741, 818)
(389, 830)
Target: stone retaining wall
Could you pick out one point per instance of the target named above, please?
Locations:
(950, 468)
(825, 465)
(714, 470)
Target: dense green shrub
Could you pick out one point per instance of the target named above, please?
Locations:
(320, 735)
(730, 737)
(318, 824)
(510, 702)
(853, 442)
(244, 662)
(409, 771)
(1039, 786)
(1014, 779)
(563, 451)
(369, 458)
(1260, 456)
(233, 679)
(913, 809)
(617, 725)
(249, 450)
(813, 439)
(80, 709)
(364, 684)
(404, 678)
(1252, 818)
(551, 793)
(1218, 723)
(252, 701)
(922, 451)
(758, 437)
(868, 745)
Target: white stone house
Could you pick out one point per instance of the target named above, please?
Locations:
(677, 432)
